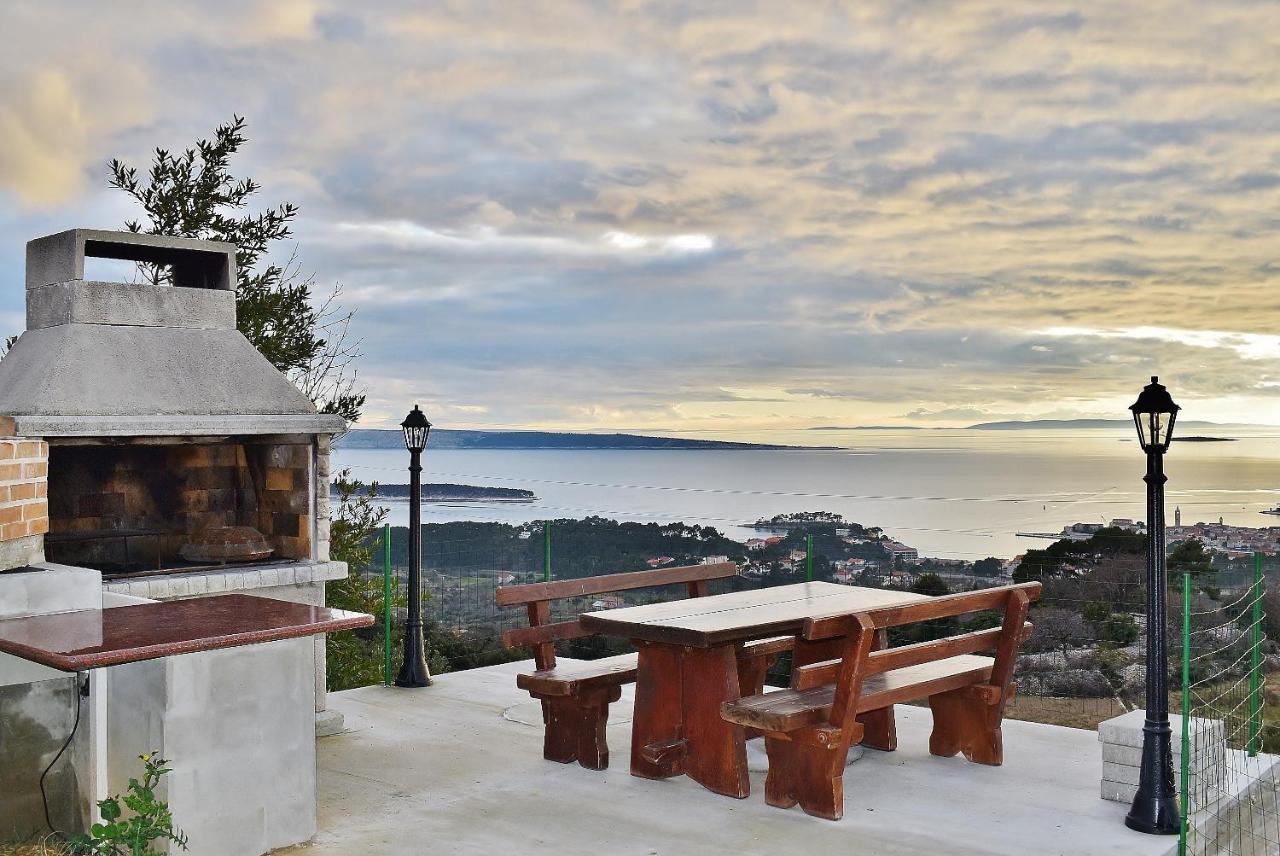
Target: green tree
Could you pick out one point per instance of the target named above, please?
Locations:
(930, 584)
(355, 659)
(988, 567)
(1189, 557)
(193, 195)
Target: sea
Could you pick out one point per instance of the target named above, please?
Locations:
(950, 493)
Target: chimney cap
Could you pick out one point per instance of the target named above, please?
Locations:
(195, 263)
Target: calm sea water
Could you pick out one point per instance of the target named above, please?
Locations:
(950, 493)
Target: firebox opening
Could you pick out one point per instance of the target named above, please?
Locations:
(143, 508)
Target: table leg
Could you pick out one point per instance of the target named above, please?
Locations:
(677, 727)
(657, 750)
(717, 750)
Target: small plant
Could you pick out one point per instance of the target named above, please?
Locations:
(132, 836)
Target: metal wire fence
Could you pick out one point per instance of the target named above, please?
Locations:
(1230, 725)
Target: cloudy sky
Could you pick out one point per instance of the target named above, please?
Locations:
(714, 215)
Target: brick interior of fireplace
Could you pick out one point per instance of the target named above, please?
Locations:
(169, 494)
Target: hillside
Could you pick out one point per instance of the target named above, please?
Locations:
(444, 438)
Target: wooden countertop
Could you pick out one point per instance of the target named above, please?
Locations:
(93, 638)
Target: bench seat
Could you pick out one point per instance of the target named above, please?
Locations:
(568, 679)
(790, 710)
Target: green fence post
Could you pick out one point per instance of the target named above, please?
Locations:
(808, 558)
(1255, 660)
(546, 551)
(1186, 712)
(386, 604)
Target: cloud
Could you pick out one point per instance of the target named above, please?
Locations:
(666, 214)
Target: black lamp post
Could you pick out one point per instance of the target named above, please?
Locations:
(414, 672)
(1155, 805)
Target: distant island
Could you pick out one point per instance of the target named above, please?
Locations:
(1201, 439)
(1126, 424)
(445, 438)
(867, 428)
(451, 493)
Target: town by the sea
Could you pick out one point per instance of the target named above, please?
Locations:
(948, 493)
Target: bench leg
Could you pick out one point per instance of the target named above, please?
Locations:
(562, 720)
(575, 728)
(964, 722)
(811, 776)
(880, 731)
(751, 674)
(593, 748)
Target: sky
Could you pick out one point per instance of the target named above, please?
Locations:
(712, 216)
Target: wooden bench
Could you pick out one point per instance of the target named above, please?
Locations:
(576, 696)
(808, 728)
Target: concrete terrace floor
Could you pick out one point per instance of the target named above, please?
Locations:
(457, 768)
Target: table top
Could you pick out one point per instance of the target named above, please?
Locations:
(93, 638)
(702, 622)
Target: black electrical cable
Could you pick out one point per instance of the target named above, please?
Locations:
(81, 691)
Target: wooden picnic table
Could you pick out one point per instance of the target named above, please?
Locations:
(688, 668)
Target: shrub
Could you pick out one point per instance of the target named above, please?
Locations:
(132, 836)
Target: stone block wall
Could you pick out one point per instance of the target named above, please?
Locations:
(24, 502)
(321, 488)
(182, 489)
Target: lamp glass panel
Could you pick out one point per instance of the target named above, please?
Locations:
(415, 438)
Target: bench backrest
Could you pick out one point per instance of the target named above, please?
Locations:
(860, 631)
(542, 633)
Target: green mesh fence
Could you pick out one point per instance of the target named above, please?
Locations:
(1231, 721)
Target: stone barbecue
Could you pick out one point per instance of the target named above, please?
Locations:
(164, 547)
(162, 422)
(150, 441)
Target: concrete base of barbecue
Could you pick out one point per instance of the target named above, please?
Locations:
(238, 726)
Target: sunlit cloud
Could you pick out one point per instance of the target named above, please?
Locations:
(1248, 346)
(486, 239)
(677, 216)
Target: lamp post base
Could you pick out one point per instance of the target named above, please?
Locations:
(1154, 815)
(1155, 805)
(414, 672)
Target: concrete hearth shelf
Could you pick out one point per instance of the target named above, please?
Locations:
(93, 638)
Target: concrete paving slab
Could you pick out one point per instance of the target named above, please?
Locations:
(457, 768)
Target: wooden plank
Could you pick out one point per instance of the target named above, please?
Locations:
(788, 710)
(739, 616)
(1012, 633)
(908, 655)
(860, 637)
(767, 647)
(572, 678)
(544, 653)
(514, 595)
(518, 637)
(927, 609)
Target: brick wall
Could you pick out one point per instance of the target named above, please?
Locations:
(24, 503)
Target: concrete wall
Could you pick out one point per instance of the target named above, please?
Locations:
(237, 725)
(38, 709)
(35, 719)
